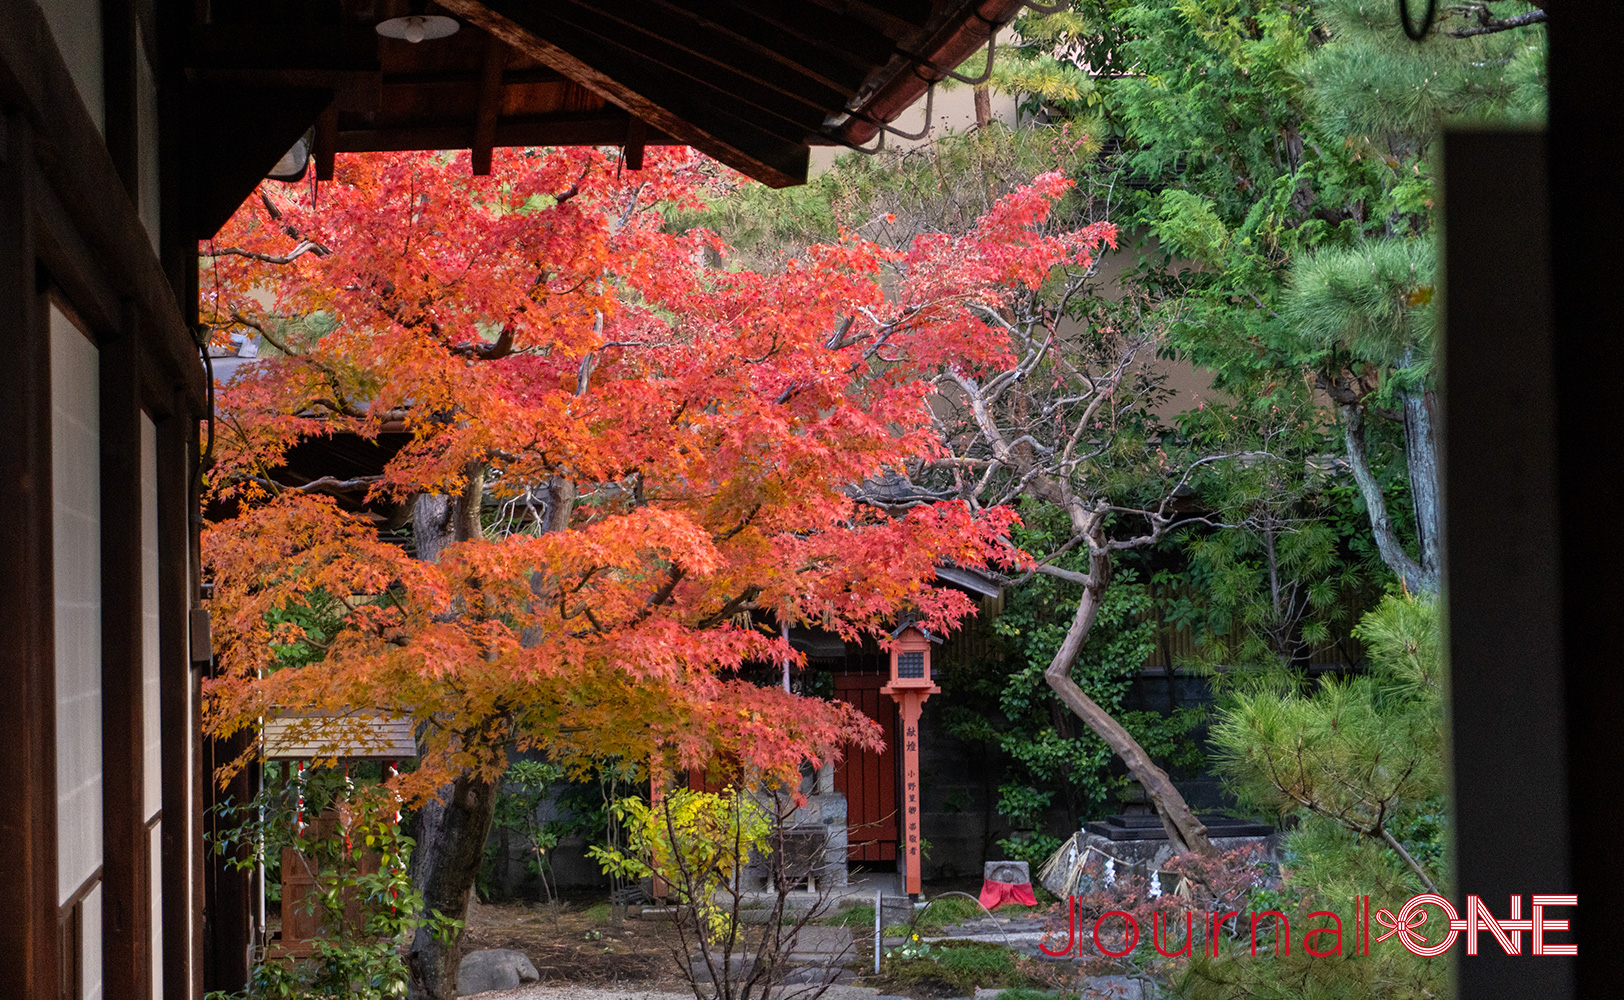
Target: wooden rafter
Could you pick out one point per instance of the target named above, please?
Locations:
(691, 115)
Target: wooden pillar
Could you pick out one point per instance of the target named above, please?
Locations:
(182, 838)
(28, 934)
(1587, 242)
(126, 894)
(228, 912)
(1531, 368)
(1502, 583)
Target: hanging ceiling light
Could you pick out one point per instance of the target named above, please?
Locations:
(415, 28)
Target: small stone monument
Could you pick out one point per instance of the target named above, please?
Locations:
(1012, 872)
(1007, 882)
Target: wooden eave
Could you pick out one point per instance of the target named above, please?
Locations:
(752, 83)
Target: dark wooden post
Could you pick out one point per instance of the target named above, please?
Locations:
(182, 842)
(28, 934)
(126, 891)
(1534, 441)
(1587, 242)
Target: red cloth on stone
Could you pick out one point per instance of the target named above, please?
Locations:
(996, 894)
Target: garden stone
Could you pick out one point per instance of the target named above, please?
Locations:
(1113, 988)
(494, 969)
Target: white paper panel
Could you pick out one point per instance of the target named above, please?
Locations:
(76, 553)
(152, 758)
(92, 965)
(156, 874)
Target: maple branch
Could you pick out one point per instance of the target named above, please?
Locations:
(742, 602)
(837, 340)
(326, 484)
(304, 247)
(662, 595)
(574, 189)
(501, 347)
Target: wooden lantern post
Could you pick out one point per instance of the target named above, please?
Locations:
(910, 685)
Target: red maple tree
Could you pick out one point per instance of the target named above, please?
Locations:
(624, 465)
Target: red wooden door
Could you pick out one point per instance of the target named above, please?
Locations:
(869, 779)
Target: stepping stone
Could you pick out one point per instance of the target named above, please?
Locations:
(814, 945)
(738, 967)
(819, 975)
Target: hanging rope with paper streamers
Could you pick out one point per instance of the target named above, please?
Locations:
(1073, 854)
(391, 771)
(349, 825)
(299, 805)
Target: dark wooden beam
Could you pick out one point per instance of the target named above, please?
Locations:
(63, 253)
(28, 934)
(126, 893)
(282, 45)
(470, 78)
(652, 93)
(359, 91)
(608, 128)
(490, 105)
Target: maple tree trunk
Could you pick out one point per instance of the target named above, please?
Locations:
(452, 830)
(1185, 832)
(453, 827)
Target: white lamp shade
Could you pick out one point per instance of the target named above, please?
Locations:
(416, 28)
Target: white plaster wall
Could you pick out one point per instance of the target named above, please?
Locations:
(76, 556)
(77, 27)
(152, 743)
(146, 110)
(157, 916)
